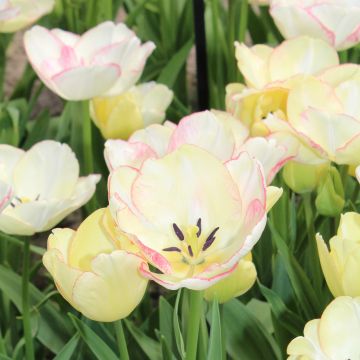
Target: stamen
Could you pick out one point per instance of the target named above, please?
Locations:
(190, 251)
(172, 248)
(37, 198)
(178, 232)
(210, 239)
(18, 199)
(198, 224)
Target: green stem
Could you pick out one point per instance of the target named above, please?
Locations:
(196, 302)
(312, 248)
(88, 149)
(29, 347)
(223, 334)
(120, 336)
(244, 11)
(4, 238)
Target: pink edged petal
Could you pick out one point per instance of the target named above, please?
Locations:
(96, 38)
(40, 45)
(271, 155)
(302, 55)
(157, 137)
(132, 65)
(122, 153)
(84, 83)
(349, 152)
(206, 131)
(335, 75)
(199, 282)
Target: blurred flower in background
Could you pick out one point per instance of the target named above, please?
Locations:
(341, 264)
(94, 268)
(334, 336)
(118, 117)
(336, 22)
(105, 61)
(17, 14)
(46, 186)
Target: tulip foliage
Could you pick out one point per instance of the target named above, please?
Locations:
(160, 203)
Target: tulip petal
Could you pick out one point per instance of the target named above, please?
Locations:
(84, 83)
(9, 157)
(121, 153)
(157, 137)
(340, 327)
(31, 175)
(204, 130)
(302, 55)
(113, 289)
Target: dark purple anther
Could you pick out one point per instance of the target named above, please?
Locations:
(190, 250)
(178, 232)
(210, 239)
(172, 248)
(198, 224)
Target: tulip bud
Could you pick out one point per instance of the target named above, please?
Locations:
(303, 178)
(330, 199)
(236, 284)
(341, 264)
(118, 117)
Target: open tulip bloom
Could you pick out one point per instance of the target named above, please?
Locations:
(105, 61)
(192, 196)
(46, 187)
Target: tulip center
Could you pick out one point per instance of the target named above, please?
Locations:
(192, 243)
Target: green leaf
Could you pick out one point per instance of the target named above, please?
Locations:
(171, 71)
(304, 292)
(177, 331)
(215, 343)
(166, 321)
(289, 320)
(148, 345)
(38, 129)
(97, 346)
(245, 335)
(53, 329)
(68, 350)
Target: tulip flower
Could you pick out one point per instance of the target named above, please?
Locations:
(94, 268)
(118, 117)
(269, 75)
(105, 61)
(332, 337)
(336, 22)
(192, 216)
(236, 284)
(325, 119)
(341, 265)
(17, 14)
(46, 186)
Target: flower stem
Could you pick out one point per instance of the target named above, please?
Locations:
(29, 347)
(120, 336)
(196, 302)
(87, 149)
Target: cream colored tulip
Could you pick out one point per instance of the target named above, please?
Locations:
(269, 75)
(46, 186)
(192, 215)
(18, 14)
(335, 336)
(334, 21)
(95, 269)
(341, 264)
(118, 117)
(236, 284)
(105, 61)
(325, 118)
